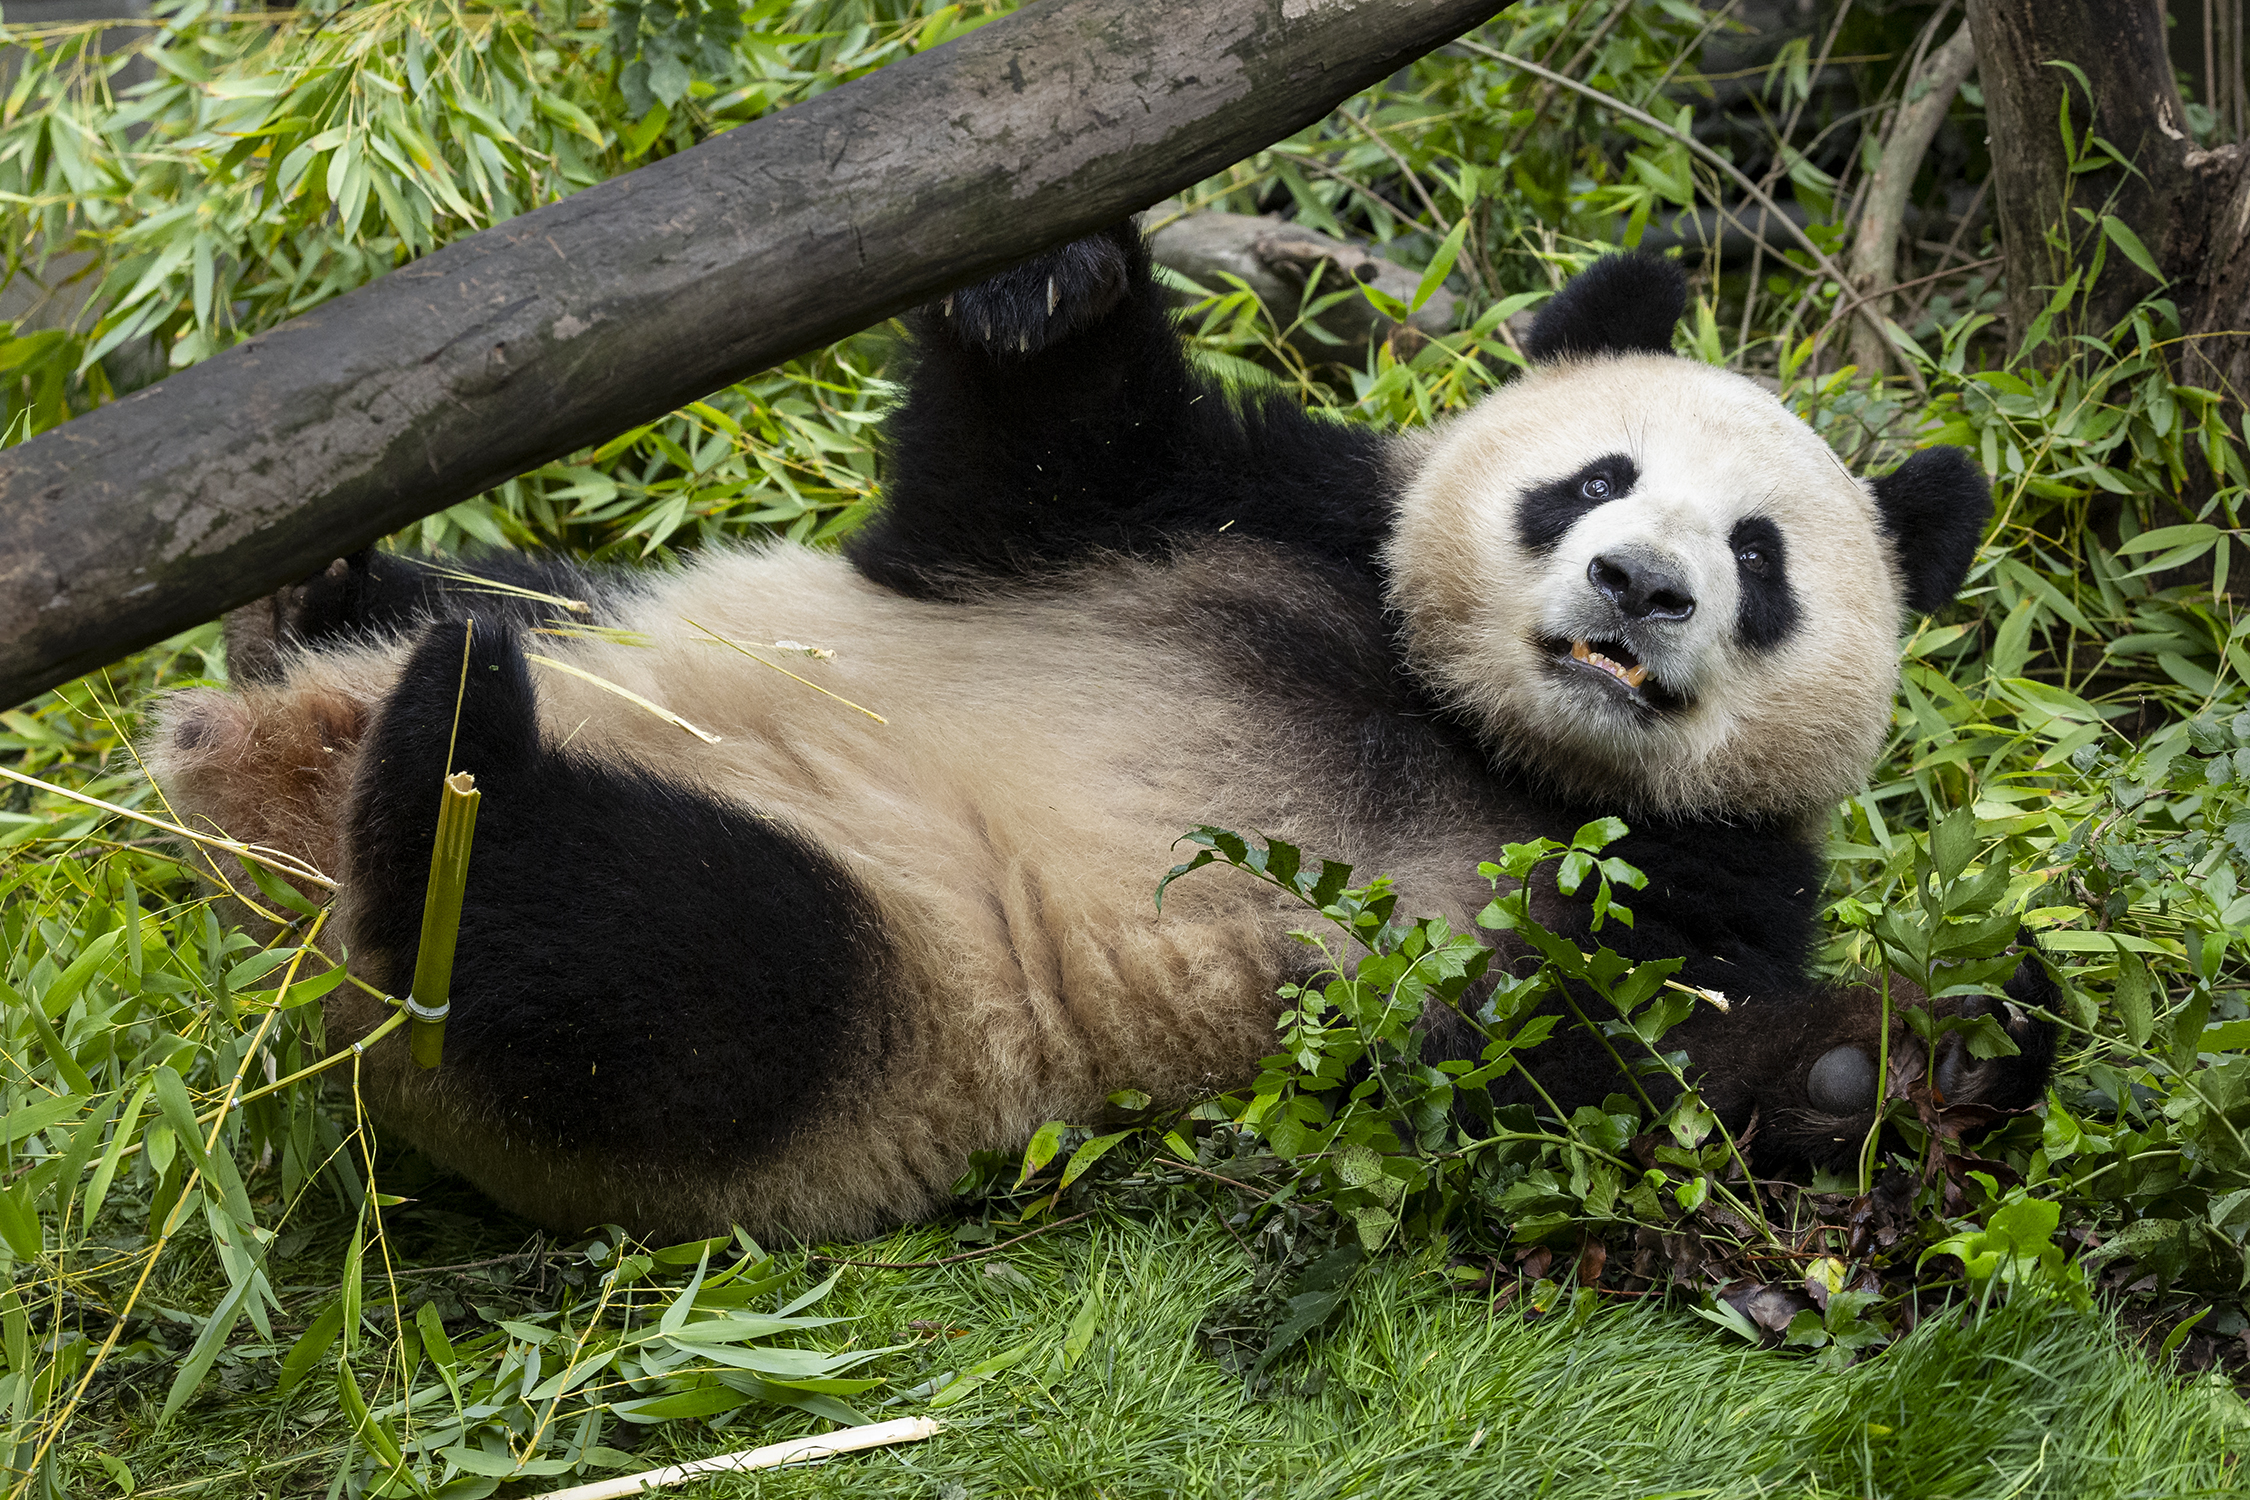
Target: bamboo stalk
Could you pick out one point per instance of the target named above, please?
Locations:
(772, 1456)
(431, 997)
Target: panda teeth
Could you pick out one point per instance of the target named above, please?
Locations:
(1632, 676)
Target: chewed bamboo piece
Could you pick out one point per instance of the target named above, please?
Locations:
(431, 998)
(772, 1456)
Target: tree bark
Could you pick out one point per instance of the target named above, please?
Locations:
(2190, 207)
(567, 325)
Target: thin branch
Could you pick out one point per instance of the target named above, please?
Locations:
(1874, 256)
(1847, 309)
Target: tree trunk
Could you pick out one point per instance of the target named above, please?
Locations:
(2191, 208)
(567, 325)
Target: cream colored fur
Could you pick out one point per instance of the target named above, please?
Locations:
(1010, 820)
(1781, 732)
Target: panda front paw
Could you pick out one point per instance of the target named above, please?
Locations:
(1807, 1072)
(1046, 299)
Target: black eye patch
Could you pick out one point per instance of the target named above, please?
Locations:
(1548, 510)
(1768, 612)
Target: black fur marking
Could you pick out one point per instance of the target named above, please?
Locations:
(1768, 612)
(1548, 511)
(1018, 468)
(643, 970)
(1621, 304)
(2024, 1076)
(1933, 509)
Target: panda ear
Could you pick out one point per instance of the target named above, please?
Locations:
(1933, 509)
(1621, 304)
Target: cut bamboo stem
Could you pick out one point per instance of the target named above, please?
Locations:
(431, 997)
(772, 1456)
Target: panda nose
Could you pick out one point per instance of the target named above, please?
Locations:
(1640, 585)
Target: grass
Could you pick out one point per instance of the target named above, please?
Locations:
(1425, 1391)
(1421, 1390)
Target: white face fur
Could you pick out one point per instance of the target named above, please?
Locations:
(1654, 588)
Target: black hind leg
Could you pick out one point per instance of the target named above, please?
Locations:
(646, 974)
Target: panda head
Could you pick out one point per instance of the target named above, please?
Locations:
(1655, 589)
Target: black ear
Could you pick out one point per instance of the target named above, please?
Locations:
(1621, 304)
(1933, 509)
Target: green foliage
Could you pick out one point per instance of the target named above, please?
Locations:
(2070, 754)
(272, 164)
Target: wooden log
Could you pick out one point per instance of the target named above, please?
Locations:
(567, 325)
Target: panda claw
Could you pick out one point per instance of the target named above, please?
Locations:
(946, 307)
(1054, 296)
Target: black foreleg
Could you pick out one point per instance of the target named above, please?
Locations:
(642, 968)
(1052, 414)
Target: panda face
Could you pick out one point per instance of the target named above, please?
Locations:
(1653, 587)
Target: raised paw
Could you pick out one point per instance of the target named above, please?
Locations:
(1046, 299)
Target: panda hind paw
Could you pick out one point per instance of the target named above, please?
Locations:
(320, 608)
(1043, 301)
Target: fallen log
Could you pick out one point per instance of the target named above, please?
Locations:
(567, 325)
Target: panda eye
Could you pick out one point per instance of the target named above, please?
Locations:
(1595, 489)
(1752, 558)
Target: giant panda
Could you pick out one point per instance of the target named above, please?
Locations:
(788, 973)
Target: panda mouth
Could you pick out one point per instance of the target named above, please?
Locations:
(1612, 659)
(1616, 667)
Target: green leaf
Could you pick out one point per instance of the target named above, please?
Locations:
(701, 1401)
(67, 984)
(19, 1222)
(977, 1374)
(2136, 252)
(207, 1345)
(1953, 843)
(1045, 1142)
(1087, 1154)
(38, 1115)
(315, 1341)
(179, 1113)
(675, 1317)
(1441, 265)
(2170, 536)
(1599, 834)
(2131, 998)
